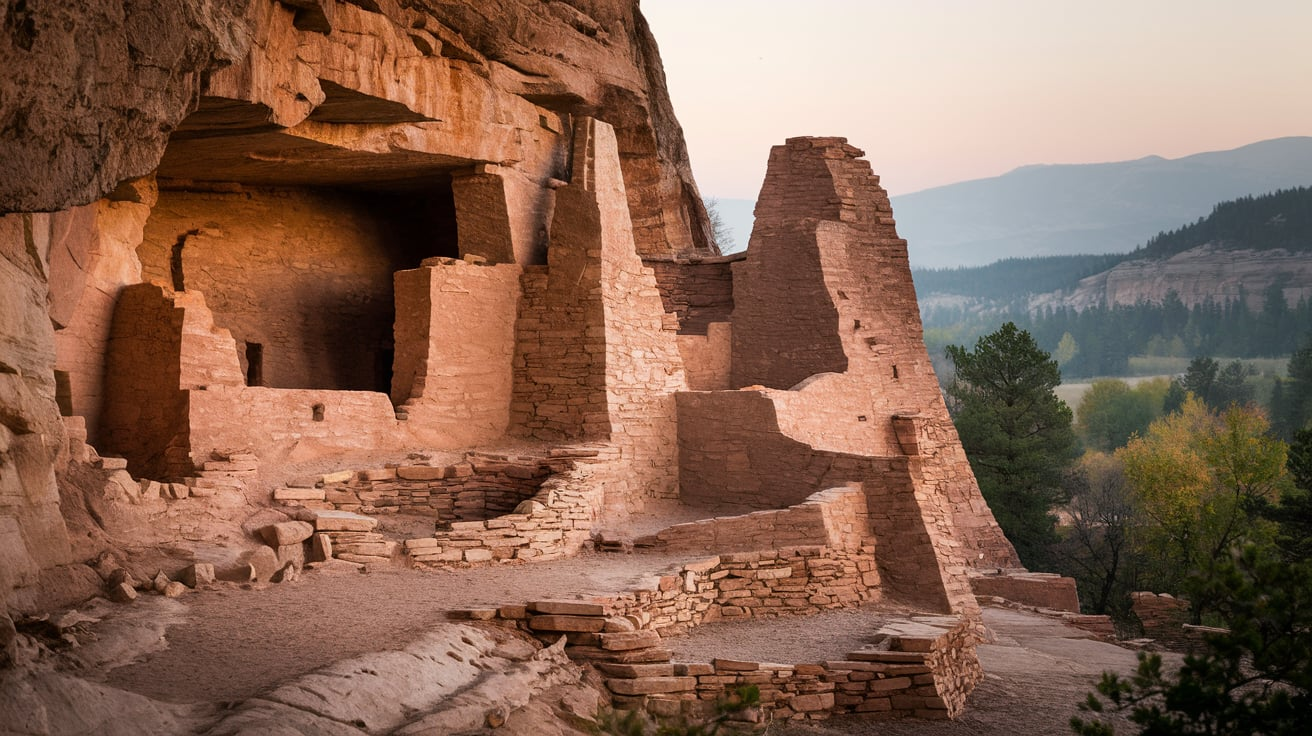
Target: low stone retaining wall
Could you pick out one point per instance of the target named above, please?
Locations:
(837, 517)
(743, 585)
(1040, 589)
(553, 500)
(923, 667)
(483, 486)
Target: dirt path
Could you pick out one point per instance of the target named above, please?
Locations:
(235, 643)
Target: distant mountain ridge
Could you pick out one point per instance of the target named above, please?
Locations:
(1064, 209)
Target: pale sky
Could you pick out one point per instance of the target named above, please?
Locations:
(939, 91)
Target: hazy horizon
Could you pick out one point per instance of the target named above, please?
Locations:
(945, 92)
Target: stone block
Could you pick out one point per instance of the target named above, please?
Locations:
(291, 553)
(197, 575)
(123, 593)
(625, 640)
(566, 623)
(299, 494)
(321, 548)
(343, 521)
(478, 554)
(263, 564)
(342, 476)
(421, 472)
(284, 533)
(812, 702)
(615, 669)
(652, 685)
(568, 608)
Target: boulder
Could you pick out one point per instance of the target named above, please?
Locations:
(286, 532)
(122, 593)
(263, 563)
(197, 575)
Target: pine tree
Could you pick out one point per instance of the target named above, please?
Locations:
(1015, 431)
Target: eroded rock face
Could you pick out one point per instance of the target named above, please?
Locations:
(94, 89)
(1198, 275)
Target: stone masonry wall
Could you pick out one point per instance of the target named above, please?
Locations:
(850, 340)
(556, 522)
(145, 411)
(594, 357)
(305, 274)
(698, 291)
(745, 460)
(837, 518)
(455, 341)
(924, 666)
(292, 425)
(483, 487)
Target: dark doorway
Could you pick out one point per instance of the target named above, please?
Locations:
(383, 370)
(254, 364)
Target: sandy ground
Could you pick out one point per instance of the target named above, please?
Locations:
(234, 643)
(229, 644)
(1035, 675)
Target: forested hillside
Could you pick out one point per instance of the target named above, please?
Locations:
(1255, 304)
(1282, 219)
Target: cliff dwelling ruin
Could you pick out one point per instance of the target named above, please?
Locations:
(381, 285)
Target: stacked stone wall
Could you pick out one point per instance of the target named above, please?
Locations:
(455, 342)
(596, 357)
(922, 667)
(746, 461)
(145, 415)
(481, 487)
(836, 517)
(849, 345)
(698, 291)
(292, 424)
(555, 522)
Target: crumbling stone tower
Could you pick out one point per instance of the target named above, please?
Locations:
(830, 382)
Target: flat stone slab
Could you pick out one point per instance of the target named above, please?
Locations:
(652, 685)
(299, 494)
(568, 608)
(566, 623)
(343, 521)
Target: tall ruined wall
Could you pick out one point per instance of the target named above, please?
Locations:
(453, 372)
(595, 359)
(846, 357)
